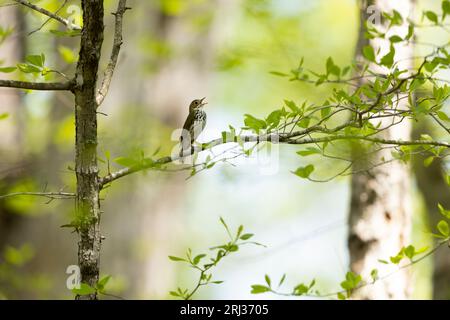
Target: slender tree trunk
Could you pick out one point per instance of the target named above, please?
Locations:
(87, 200)
(380, 212)
(12, 50)
(11, 130)
(434, 189)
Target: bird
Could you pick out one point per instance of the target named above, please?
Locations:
(193, 126)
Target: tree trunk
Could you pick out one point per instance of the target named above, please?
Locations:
(434, 189)
(87, 199)
(11, 130)
(380, 212)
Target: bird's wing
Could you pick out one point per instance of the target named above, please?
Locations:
(186, 128)
(189, 120)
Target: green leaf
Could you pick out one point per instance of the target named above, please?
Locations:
(28, 68)
(274, 118)
(409, 251)
(291, 105)
(282, 280)
(352, 280)
(257, 288)
(416, 83)
(173, 293)
(432, 16)
(246, 236)
(173, 258)
(4, 115)
(239, 231)
(309, 151)
(369, 53)
(36, 59)
(346, 285)
(126, 162)
(443, 228)
(374, 274)
(395, 39)
(84, 289)
(304, 172)
(101, 284)
(443, 116)
(421, 250)
(18, 256)
(426, 137)
(222, 221)
(428, 161)
(445, 213)
(445, 8)
(388, 59)
(345, 70)
(173, 7)
(397, 18)
(341, 296)
(325, 112)
(332, 68)
(67, 54)
(410, 31)
(267, 278)
(7, 69)
(198, 258)
(301, 289)
(254, 123)
(396, 259)
(279, 74)
(304, 123)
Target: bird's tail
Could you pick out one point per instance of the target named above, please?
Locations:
(185, 148)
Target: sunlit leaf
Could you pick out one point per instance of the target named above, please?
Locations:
(443, 228)
(7, 69)
(304, 172)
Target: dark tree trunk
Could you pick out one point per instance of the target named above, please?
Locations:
(87, 200)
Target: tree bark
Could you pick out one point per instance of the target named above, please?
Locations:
(380, 212)
(87, 200)
(434, 189)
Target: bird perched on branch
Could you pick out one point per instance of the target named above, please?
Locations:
(193, 126)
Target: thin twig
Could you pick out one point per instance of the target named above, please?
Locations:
(102, 92)
(50, 195)
(49, 19)
(56, 17)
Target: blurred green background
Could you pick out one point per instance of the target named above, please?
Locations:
(175, 51)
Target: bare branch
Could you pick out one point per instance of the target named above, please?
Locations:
(121, 8)
(60, 19)
(49, 19)
(68, 85)
(274, 138)
(440, 123)
(50, 195)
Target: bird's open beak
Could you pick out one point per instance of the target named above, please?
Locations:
(201, 101)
